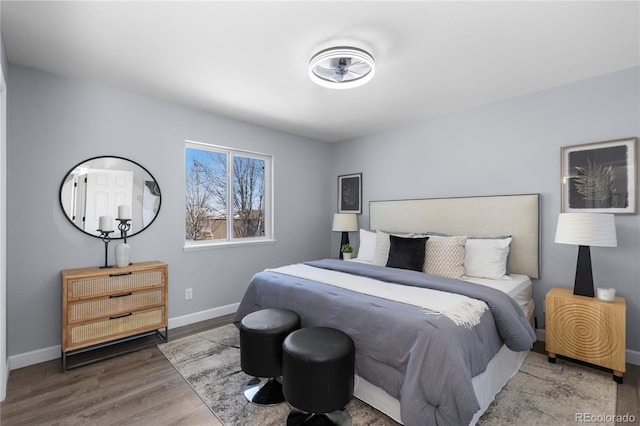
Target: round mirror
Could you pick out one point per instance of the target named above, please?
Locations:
(108, 187)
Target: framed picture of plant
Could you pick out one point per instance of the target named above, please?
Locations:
(599, 177)
(350, 193)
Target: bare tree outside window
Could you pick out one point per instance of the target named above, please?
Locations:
(248, 197)
(205, 198)
(211, 209)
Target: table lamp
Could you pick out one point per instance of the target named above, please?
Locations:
(345, 223)
(586, 230)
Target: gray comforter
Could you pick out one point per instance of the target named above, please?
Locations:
(423, 360)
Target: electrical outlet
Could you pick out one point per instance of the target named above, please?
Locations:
(188, 293)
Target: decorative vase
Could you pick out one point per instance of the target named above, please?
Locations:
(346, 256)
(123, 255)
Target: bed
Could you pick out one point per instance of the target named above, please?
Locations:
(432, 346)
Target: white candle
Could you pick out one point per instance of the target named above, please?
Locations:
(606, 294)
(106, 223)
(124, 212)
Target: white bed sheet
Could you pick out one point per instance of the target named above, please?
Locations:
(518, 287)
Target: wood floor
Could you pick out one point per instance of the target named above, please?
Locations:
(140, 388)
(143, 388)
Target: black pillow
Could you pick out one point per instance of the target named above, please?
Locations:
(407, 253)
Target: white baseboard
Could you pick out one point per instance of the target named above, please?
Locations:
(632, 357)
(54, 352)
(34, 357)
(203, 315)
(5, 379)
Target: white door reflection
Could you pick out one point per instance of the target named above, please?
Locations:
(98, 186)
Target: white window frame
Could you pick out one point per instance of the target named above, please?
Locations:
(268, 237)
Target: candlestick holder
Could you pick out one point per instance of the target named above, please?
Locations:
(123, 250)
(105, 238)
(124, 226)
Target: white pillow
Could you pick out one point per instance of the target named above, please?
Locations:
(486, 257)
(367, 249)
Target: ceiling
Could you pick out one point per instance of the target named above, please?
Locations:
(248, 60)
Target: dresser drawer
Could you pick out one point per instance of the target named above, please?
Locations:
(106, 306)
(114, 283)
(112, 328)
(103, 307)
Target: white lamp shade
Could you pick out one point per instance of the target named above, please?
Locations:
(587, 229)
(345, 222)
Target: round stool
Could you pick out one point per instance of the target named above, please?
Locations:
(317, 375)
(261, 336)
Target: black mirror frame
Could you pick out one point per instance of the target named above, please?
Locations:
(119, 158)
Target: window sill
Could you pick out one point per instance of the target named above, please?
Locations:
(206, 245)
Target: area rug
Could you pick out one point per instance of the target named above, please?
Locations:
(564, 393)
(540, 393)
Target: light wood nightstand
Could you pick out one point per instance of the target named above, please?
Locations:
(586, 329)
(101, 307)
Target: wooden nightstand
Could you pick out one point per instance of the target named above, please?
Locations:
(586, 329)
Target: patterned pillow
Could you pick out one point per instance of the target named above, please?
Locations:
(383, 244)
(445, 256)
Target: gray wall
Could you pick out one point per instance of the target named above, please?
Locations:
(513, 147)
(502, 148)
(56, 122)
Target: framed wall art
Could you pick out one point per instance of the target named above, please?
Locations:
(350, 193)
(599, 177)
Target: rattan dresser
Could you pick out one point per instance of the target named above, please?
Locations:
(107, 306)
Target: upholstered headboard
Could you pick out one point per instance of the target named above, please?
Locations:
(490, 216)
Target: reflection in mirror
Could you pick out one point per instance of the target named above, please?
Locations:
(99, 186)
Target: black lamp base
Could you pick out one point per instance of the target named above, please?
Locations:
(584, 275)
(345, 240)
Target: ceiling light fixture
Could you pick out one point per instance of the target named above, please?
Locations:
(341, 67)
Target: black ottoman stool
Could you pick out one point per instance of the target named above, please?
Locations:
(261, 336)
(317, 376)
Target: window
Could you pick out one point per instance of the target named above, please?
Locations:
(227, 195)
